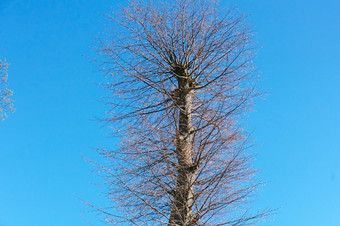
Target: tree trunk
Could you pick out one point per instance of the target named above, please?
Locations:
(181, 209)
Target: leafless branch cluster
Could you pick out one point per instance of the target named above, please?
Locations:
(181, 78)
(6, 104)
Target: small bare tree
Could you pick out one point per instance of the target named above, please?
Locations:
(6, 104)
(181, 78)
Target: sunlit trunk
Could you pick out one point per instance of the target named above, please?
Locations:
(181, 209)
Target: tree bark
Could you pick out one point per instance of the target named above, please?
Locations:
(181, 209)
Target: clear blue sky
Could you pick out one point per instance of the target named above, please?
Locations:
(297, 125)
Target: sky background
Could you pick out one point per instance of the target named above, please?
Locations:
(49, 45)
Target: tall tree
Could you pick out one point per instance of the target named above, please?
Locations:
(180, 79)
(6, 103)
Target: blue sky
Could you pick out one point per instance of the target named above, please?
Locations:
(49, 45)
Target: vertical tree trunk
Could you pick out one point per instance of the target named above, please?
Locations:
(181, 209)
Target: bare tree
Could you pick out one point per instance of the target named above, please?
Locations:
(180, 80)
(6, 104)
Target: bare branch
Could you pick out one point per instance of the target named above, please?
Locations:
(182, 78)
